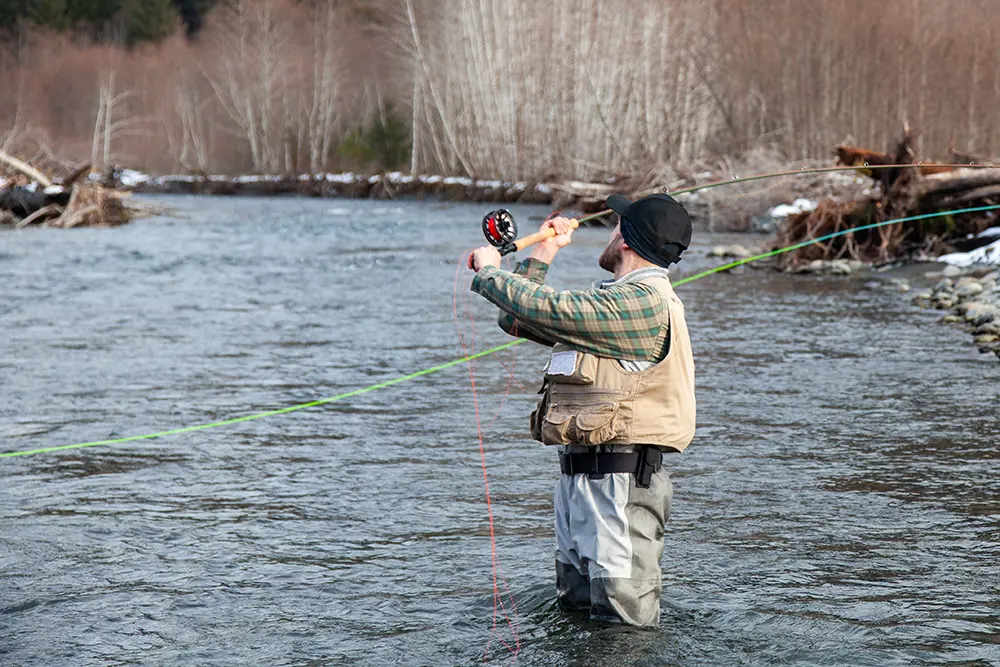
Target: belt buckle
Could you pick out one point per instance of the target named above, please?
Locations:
(566, 463)
(596, 474)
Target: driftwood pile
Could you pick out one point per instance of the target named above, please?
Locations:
(900, 192)
(29, 197)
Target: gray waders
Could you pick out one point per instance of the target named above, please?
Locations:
(609, 534)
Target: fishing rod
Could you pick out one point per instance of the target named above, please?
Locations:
(500, 228)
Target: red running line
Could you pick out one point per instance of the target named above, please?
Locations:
(499, 580)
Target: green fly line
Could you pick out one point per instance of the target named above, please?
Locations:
(499, 348)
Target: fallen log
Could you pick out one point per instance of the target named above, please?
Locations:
(70, 220)
(957, 179)
(989, 193)
(962, 157)
(25, 168)
(50, 211)
(75, 202)
(22, 201)
(905, 191)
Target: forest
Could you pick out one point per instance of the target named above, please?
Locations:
(511, 89)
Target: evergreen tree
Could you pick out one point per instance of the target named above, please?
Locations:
(50, 13)
(9, 11)
(149, 20)
(94, 11)
(193, 13)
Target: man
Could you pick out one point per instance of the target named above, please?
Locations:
(618, 392)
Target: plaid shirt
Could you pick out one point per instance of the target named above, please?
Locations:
(617, 319)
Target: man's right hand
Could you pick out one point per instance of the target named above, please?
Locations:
(545, 251)
(563, 229)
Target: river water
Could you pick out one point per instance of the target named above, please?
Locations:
(840, 504)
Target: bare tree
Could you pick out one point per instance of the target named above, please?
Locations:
(250, 74)
(113, 121)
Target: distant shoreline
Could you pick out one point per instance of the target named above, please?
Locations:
(740, 210)
(389, 185)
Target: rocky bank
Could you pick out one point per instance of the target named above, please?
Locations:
(972, 297)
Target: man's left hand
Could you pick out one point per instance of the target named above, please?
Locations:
(484, 256)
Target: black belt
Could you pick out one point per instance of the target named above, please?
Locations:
(643, 462)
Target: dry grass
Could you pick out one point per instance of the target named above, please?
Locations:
(582, 89)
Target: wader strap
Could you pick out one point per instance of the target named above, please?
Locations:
(643, 462)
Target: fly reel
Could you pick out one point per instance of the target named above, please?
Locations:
(500, 230)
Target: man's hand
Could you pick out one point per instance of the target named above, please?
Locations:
(484, 256)
(546, 250)
(564, 232)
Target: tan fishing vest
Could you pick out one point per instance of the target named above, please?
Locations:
(591, 400)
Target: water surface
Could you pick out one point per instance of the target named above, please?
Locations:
(840, 504)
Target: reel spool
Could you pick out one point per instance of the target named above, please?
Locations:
(500, 230)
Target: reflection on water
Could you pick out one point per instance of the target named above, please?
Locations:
(839, 505)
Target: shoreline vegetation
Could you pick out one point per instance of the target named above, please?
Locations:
(738, 207)
(834, 201)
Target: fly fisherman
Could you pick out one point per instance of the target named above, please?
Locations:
(618, 392)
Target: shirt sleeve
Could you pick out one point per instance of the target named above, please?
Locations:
(626, 321)
(535, 271)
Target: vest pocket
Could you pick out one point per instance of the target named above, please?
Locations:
(536, 425)
(571, 367)
(579, 425)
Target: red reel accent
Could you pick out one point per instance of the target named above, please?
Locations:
(499, 228)
(494, 234)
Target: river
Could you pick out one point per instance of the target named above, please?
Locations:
(838, 506)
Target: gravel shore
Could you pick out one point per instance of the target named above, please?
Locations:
(973, 298)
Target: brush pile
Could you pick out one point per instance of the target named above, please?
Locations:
(901, 192)
(29, 197)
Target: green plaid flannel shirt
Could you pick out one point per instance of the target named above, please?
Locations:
(619, 319)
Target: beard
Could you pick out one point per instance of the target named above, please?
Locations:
(611, 259)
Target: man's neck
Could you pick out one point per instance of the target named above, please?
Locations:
(630, 262)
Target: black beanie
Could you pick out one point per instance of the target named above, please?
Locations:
(656, 227)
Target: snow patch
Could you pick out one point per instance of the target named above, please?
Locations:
(989, 233)
(256, 178)
(349, 177)
(398, 177)
(798, 206)
(130, 178)
(987, 255)
(175, 178)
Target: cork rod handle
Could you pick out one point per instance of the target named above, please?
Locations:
(532, 239)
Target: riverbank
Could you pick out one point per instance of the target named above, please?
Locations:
(754, 206)
(742, 207)
(973, 298)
